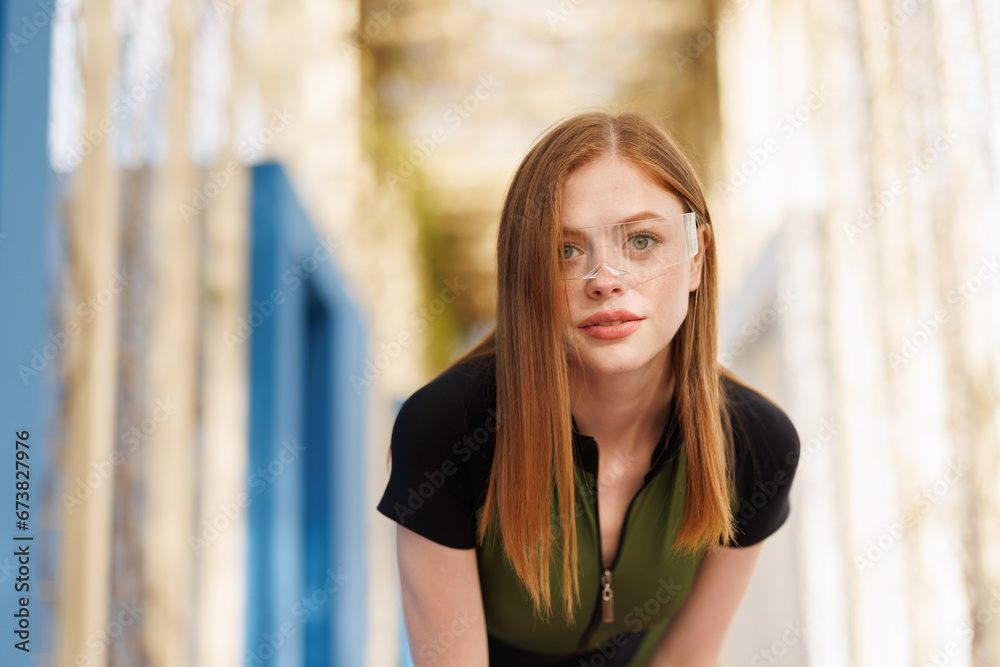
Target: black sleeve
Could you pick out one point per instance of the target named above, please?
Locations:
(766, 448)
(438, 469)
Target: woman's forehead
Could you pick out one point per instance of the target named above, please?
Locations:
(612, 172)
(612, 191)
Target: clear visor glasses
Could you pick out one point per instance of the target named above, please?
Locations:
(637, 251)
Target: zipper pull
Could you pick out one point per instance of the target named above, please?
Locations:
(607, 598)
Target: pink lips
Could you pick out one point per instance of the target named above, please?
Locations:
(598, 326)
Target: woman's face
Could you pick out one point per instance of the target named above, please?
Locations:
(606, 191)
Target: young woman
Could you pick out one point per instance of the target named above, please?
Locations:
(587, 486)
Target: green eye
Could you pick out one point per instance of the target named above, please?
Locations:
(568, 252)
(640, 242)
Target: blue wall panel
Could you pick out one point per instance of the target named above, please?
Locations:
(30, 346)
(307, 579)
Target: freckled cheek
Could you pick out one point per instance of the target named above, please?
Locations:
(669, 289)
(672, 305)
(678, 313)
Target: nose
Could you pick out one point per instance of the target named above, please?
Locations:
(605, 281)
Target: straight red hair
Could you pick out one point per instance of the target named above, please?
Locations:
(532, 474)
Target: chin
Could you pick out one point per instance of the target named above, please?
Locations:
(609, 364)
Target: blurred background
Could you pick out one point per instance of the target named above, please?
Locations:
(236, 234)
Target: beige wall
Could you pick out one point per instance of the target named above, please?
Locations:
(896, 106)
(230, 69)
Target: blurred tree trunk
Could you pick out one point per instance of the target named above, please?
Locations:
(93, 229)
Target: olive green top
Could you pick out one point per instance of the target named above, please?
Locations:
(442, 456)
(650, 579)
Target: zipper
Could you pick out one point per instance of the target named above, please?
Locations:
(605, 609)
(607, 598)
(604, 612)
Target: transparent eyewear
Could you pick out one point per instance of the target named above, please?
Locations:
(637, 251)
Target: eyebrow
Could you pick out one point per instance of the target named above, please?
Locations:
(642, 215)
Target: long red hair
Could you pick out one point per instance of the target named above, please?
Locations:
(533, 460)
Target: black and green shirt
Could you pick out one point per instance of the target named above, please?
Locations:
(442, 451)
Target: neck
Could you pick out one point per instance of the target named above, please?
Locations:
(623, 411)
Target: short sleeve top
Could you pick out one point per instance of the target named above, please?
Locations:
(442, 451)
